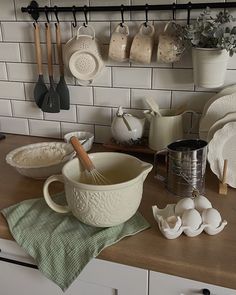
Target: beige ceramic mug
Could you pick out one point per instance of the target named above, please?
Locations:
(170, 46)
(120, 43)
(142, 45)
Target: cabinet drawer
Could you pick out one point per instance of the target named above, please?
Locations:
(171, 285)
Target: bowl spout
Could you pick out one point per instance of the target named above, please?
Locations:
(145, 169)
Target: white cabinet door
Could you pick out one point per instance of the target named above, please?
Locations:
(163, 284)
(18, 276)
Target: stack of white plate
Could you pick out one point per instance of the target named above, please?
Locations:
(218, 127)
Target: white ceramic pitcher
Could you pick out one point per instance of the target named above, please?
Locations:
(165, 129)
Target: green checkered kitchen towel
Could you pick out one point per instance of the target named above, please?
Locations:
(60, 244)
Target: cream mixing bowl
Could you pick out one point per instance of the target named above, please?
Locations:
(102, 205)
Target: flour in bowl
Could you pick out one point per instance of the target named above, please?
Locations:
(40, 156)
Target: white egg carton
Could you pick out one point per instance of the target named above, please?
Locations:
(171, 225)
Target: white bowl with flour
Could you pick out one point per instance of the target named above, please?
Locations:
(40, 160)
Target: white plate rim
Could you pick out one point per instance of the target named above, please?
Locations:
(203, 130)
(215, 149)
(229, 117)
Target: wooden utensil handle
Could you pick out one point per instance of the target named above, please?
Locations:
(82, 154)
(49, 49)
(59, 48)
(38, 48)
(225, 170)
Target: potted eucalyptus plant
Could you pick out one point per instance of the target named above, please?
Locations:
(212, 43)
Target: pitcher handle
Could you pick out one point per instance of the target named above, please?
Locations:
(195, 114)
(48, 198)
(156, 174)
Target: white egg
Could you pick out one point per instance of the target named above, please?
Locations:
(201, 203)
(182, 205)
(192, 218)
(212, 217)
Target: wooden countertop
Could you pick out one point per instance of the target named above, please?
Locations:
(211, 259)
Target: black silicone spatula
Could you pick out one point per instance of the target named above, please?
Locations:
(40, 88)
(51, 101)
(61, 88)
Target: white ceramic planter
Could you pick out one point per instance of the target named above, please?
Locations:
(209, 66)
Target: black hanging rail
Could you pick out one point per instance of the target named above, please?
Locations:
(34, 9)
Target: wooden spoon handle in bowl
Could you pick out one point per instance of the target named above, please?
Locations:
(82, 154)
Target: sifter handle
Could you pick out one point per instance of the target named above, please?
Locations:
(157, 175)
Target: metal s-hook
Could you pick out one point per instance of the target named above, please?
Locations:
(56, 13)
(85, 16)
(74, 24)
(189, 12)
(122, 15)
(46, 13)
(173, 11)
(146, 15)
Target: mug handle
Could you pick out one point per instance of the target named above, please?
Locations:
(167, 25)
(156, 174)
(152, 32)
(48, 198)
(91, 31)
(117, 29)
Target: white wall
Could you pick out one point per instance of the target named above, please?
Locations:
(92, 107)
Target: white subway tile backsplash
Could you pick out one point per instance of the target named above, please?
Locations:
(92, 107)
(94, 115)
(163, 98)
(14, 125)
(12, 90)
(5, 107)
(22, 72)
(7, 11)
(29, 91)
(81, 95)
(112, 97)
(70, 127)
(132, 77)
(185, 62)
(3, 71)
(102, 31)
(104, 79)
(9, 52)
(63, 115)
(102, 134)
(26, 109)
(44, 128)
(232, 62)
(19, 32)
(193, 100)
(173, 79)
(27, 51)
(109, 16)
(230, 77)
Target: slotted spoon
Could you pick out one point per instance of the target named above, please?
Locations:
(40, 88)
(61, 88)
(51, 101)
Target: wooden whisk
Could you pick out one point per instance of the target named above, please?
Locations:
(91, 175)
